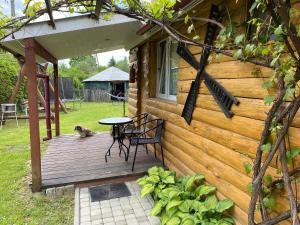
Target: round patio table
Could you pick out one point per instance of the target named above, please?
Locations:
(117, 123)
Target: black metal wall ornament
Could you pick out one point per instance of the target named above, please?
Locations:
(223, 98)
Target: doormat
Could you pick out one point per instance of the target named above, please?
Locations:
(110, 191)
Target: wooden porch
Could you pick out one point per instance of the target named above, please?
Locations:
(70, 159)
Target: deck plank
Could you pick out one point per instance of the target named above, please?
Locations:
(70, 159)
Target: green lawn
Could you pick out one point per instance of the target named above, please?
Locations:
(17, 204)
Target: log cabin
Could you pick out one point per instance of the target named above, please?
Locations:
(212, 144)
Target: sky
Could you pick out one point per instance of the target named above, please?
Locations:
(103, 58)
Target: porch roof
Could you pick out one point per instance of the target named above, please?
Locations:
(78, 35)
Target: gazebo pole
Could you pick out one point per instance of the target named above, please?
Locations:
(56, 99)
(31, 73)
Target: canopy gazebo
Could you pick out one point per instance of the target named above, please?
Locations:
(74, 36)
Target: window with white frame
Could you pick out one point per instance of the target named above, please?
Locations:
(168, 67)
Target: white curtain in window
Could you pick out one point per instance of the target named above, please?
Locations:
(162, 68)
(174, 68)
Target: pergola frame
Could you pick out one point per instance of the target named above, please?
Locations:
(33, 48)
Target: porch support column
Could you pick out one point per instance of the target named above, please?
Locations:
(31, 73)
(56, 99)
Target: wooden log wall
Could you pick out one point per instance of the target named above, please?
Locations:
(213, 145)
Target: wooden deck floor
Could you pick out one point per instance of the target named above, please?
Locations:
(73, 160)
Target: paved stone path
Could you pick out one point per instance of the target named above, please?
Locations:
(132, 210)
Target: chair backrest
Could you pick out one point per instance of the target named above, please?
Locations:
(8, 108)
(159, 129)
(141, 119)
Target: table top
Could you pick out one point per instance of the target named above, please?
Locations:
(115, 121)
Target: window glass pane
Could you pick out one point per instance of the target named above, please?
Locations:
(162, 68)
(174, 68)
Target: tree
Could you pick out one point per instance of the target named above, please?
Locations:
(112, 62)
(123, 64)
(9, 69)
(275, 43)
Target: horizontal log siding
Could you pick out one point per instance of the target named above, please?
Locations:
(214, 145)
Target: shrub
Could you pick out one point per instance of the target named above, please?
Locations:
(9, 69)
(186, 201)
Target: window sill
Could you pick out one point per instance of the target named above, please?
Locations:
(166, 100)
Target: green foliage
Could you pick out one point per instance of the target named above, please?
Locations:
(248, 168)
(112, 62)
(291, 154)
(9, 70)
(266, 147)
(186, 200)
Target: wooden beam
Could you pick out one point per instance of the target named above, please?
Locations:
(49, 11)
(41, 51)
(33, 115)
(56, 100)
(99, 4)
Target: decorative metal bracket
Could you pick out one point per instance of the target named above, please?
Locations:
(223, 98)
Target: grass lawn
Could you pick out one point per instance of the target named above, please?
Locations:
(17, 204)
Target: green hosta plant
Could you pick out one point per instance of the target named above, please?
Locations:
(185, 201)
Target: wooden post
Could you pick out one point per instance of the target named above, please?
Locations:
(31, 73)
(56, 99)
(47, 108)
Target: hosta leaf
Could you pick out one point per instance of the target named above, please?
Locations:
(153, 179)
(173, 221)
(211, 202)
(156, 209)
(204, 190)
(147, 189)
(191, 180)
(225, 221)
(164, 218)
(169, 180)
(142, 181)
(181, 215)
(224, 205)
(188, 221)
(185, 206)
(173, 203)
(153, 171)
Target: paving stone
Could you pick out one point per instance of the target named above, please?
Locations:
(107, 220)
(132, 210)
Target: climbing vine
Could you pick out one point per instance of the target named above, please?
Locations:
(271, 38)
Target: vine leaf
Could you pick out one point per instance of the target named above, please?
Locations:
(268, 179)
(268, 100)
(266, 147)
(290, 155)
(269, 202)
(250, 188)
(248, 168)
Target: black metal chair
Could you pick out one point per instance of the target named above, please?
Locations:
(137, 126)
(142, 139)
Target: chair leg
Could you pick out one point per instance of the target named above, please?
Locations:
(154, 150)
(146, 149)
(136, 148)
(162, 155)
